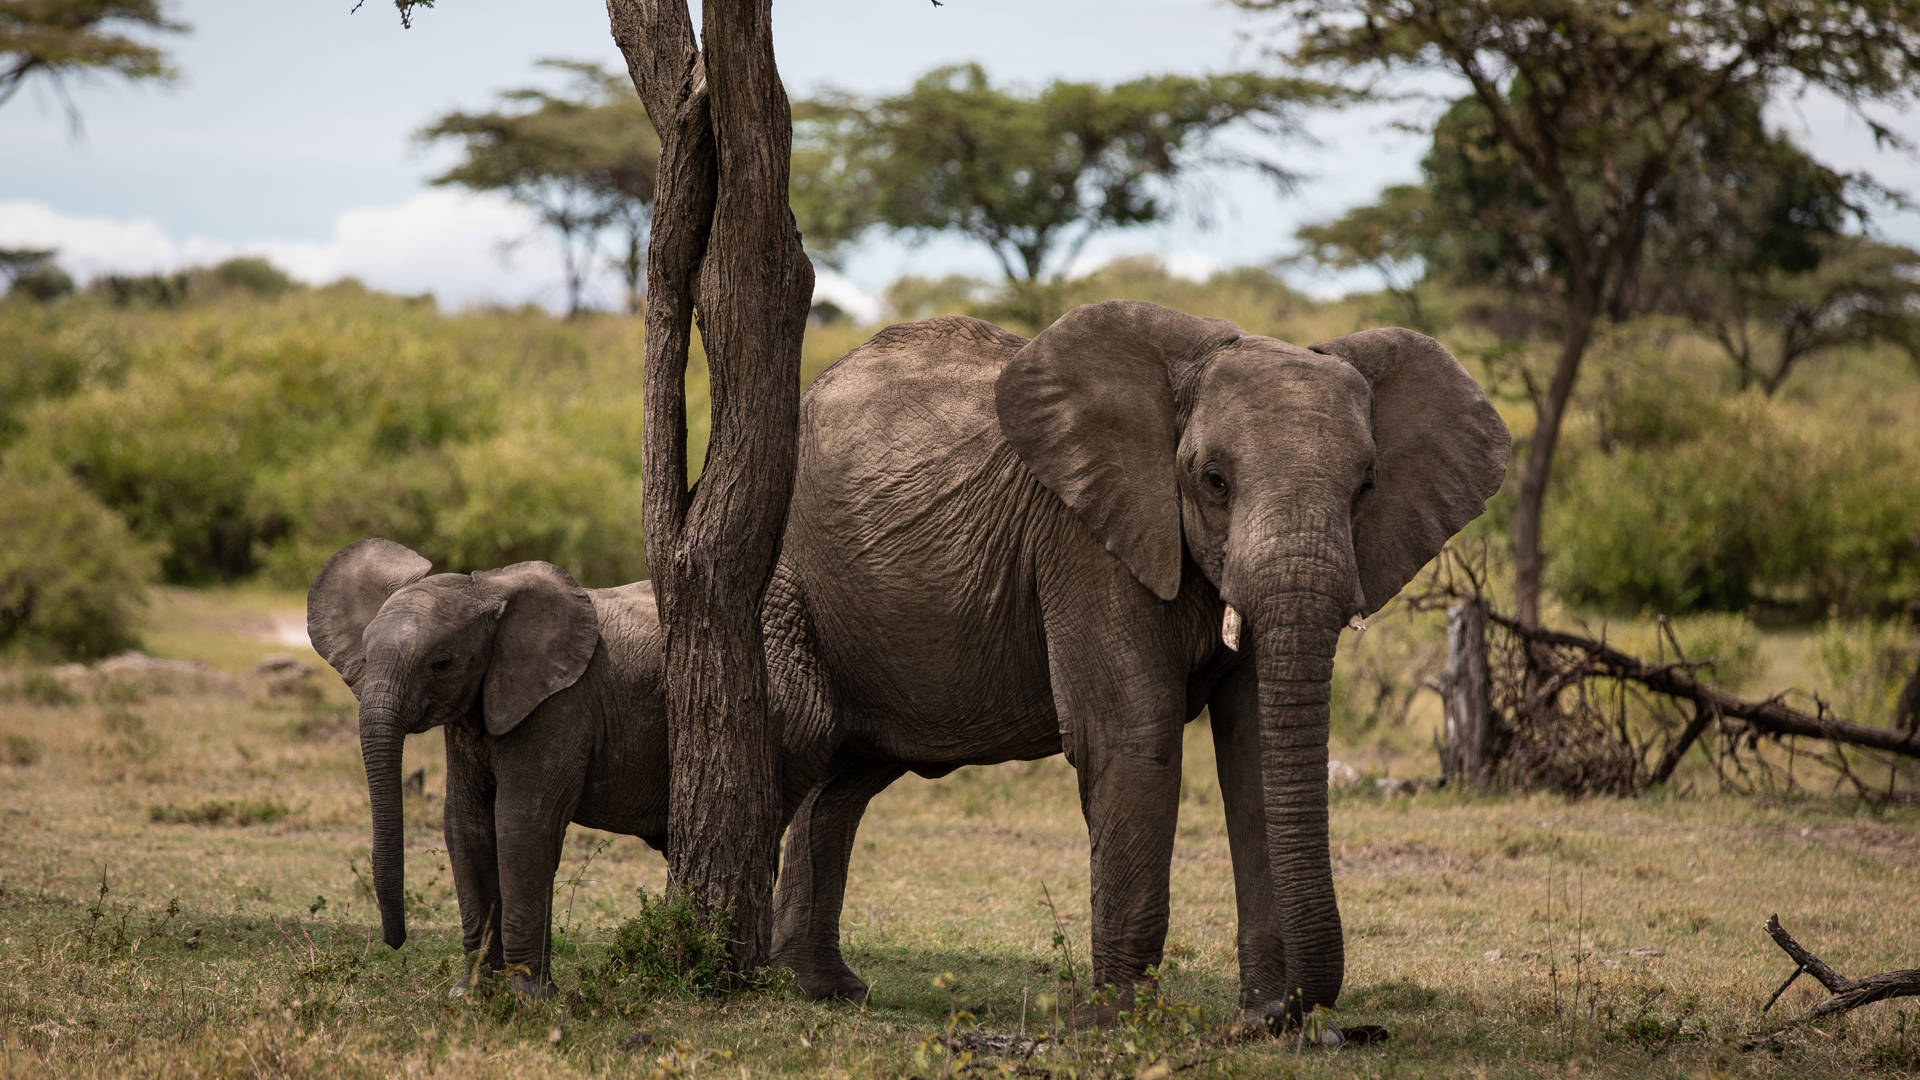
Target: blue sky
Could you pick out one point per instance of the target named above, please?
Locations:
(290, 134)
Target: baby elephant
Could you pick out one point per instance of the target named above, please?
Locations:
(552, 699)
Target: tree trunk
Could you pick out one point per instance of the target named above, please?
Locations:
(1468, 747)
(1538, 467)
(1906, 711)
(724, 245)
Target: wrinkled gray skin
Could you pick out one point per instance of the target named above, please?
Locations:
(551, 696)
(1001, 549)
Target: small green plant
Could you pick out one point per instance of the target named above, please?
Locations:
(221, 812)
(17, 749)
(40, 687)
(673, 946)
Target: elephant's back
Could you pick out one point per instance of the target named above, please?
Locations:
(910, 531)
(911, 388)
(630, 632)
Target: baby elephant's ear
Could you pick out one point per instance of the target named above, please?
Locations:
(348, 593)
(545, 637)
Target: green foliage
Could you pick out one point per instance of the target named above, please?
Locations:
(58, 39)
(1747, 504)
(1030, 176)
(72, 577)
(32, 274)
(240, 435)
(238, 812)
(251, 275)
(1863, 665)
(585, 163)
(673, 947)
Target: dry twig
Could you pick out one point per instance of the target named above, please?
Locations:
(1846, 993)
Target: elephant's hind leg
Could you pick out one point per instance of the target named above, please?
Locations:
(813, 876)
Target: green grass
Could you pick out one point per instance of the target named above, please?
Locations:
(1493, 937)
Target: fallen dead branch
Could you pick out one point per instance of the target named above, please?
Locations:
(1846, 993)
(1772, 716)
(1550, 709)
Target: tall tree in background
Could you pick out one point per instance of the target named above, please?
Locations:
(584, 162)
(55, 40)
(1601, 106)
(1033, 178)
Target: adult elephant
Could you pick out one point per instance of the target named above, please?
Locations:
(1002, 549)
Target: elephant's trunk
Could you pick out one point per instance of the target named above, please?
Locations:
(1297, 628)
(381, 739)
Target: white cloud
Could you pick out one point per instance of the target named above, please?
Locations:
(464, 248)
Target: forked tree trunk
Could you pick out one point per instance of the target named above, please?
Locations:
(724, 248)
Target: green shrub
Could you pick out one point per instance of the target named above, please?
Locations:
(17, 749)
(72, 576)
(43, 286)
(672, 946)
(249, 274)
(1863, 666)
(1757, 506)
(242, 813)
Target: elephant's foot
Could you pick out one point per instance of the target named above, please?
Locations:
(829, 982)
(1106, 1009)
(1277, 1020)
(533, 987)
(476, 972)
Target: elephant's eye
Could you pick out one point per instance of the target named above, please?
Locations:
(440, 666)
(1215, 482)
(1366, 483)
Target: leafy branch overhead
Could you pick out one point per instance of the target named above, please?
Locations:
(57, 39)
(584, 162)
(1030, 176)
(1603, 110)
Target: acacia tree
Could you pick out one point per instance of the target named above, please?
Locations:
(1031, 177)
(1600, 105)
(724, 250)
(55, 40)
(1388, 237)
(584, 163)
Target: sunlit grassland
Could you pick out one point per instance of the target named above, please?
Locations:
(1498, 937)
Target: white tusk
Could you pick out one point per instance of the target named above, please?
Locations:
(1230, 629)
(1357, 623)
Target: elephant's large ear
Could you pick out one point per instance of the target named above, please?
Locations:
(546, 635)
(1440, 452)
(1089, 407)
(348, 594)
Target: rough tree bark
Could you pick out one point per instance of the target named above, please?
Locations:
(1469, 745)
(724, 250)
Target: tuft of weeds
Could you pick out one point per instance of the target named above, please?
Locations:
(672, 947)
(17, 749)
(41, 687)
(241, 812)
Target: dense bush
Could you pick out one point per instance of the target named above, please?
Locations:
(72, 577)
(241, 436)
(1748, 503)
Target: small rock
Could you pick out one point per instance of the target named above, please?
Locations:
(1643, 950)
(1493, 956)
(639, 1040)
(1340, 774)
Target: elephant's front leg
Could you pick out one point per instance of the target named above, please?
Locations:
(529, 829)
(468, 825)
(1121, 717)
(813, 877)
